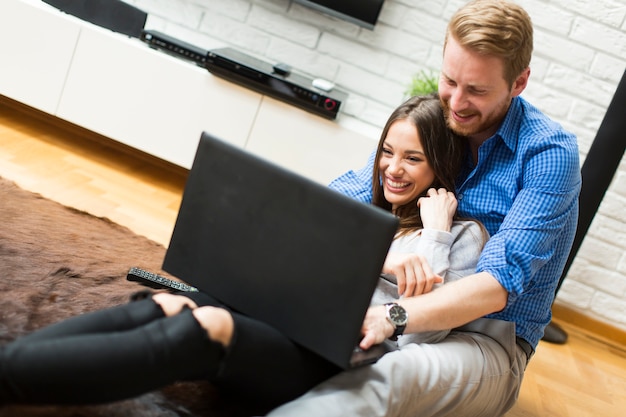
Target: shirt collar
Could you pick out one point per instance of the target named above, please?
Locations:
(509, 129)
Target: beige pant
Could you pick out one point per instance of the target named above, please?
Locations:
(466, 374)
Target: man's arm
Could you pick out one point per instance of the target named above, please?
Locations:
(452, 305)
(356, 184)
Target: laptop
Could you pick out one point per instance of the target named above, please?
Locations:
(281, 248)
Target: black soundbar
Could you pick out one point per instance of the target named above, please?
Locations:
(175, 47)
(277, 81)
(274, 81)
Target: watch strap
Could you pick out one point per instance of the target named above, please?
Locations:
(399, 331)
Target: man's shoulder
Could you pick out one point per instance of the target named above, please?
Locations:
(534, 122)
(552, 148)
(534, 133)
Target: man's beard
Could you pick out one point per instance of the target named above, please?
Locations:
(483, 125)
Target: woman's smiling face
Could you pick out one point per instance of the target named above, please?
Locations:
(405, 172)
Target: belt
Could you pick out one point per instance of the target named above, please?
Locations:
(526, 347)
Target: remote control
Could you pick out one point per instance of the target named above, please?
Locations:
(156, 281)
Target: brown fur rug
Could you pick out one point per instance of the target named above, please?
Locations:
(58, 262)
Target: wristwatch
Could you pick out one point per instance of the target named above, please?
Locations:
(398, 317)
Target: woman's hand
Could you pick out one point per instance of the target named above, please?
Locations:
(412, 272)
(438, 209)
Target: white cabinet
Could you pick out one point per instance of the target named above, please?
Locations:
(119, 87)
(309, 145)
(35, 53)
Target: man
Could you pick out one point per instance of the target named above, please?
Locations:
(522, 180)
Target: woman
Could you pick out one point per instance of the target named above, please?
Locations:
(417, 160)
(131, 349)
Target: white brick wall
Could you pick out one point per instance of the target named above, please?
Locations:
(580, 56)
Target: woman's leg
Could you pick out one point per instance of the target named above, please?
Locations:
(118, 318)
(123, 352)
(84, 367)
(261, 364)
(266, 368)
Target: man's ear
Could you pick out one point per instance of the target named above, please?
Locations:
(520, 83)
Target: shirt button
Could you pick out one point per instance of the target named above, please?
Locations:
(459, 197)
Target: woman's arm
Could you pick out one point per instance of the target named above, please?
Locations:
(420, 260)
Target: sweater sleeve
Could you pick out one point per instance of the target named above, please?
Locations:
(451, 254)
(469, 240)
(435, 246)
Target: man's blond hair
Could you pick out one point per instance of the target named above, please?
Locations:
(497, 28)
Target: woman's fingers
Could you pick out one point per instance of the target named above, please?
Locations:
(413, 274)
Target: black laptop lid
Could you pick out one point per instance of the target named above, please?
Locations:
(279, 247)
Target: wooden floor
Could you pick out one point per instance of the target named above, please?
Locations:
(80, 169)
(584, 377)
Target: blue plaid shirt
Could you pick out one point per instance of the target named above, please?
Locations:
(525, 190)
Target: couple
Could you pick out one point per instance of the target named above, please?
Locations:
(517, 173)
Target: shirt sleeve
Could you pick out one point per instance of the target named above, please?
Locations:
(356, 184)
(539, 222)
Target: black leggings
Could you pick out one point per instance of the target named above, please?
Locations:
(128, 350)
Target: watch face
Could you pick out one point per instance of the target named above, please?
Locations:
(398, 315)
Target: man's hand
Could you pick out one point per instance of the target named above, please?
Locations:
(376, 328)
(412, 272)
